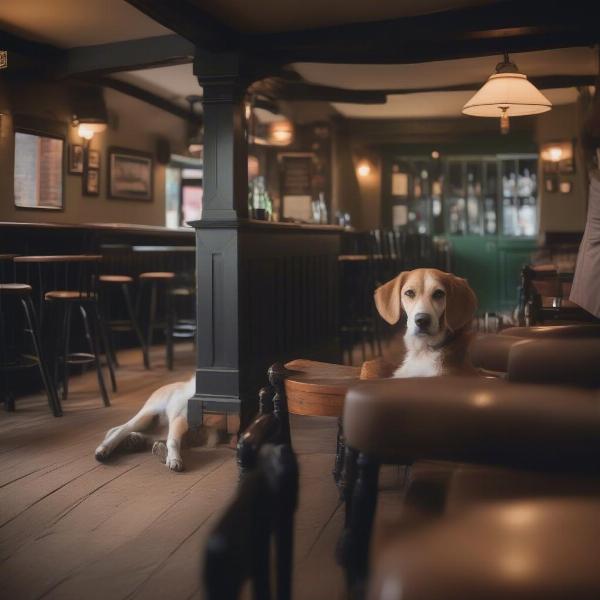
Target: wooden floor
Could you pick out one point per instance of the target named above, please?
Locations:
(71, 528)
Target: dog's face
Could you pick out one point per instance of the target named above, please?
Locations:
(434, 302)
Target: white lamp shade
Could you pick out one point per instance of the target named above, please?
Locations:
(510, 93)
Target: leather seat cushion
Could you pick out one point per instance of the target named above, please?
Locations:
(490, 352)
(524, 550)
(559, 361)
(472, 419)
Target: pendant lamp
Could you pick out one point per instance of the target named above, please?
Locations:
(507, 93)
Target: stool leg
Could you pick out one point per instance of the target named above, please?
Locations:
(152, 314)
(169, 328)
(101, 327)
(135, 324)
(32, 323)
(66, 332)
(93, 344)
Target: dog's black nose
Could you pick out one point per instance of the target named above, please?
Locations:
(423, 321)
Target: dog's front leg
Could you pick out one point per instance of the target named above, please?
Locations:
(170, 453)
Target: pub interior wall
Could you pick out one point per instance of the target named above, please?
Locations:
(133, 124)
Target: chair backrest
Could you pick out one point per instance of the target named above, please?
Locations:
(262, 512)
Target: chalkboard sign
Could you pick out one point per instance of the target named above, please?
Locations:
(296, 186)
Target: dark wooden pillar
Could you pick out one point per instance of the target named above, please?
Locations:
(225, 205)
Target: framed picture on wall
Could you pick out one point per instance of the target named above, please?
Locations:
(75, 159)
(93, 159)
(91, 182)
(129, 174)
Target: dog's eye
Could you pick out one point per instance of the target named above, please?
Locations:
(410, 293)
(438, 294)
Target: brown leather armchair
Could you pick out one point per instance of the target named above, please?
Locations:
(459, 420)
(523, 550)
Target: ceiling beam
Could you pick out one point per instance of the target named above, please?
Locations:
(150, 98)
(129, 55)
(294, 89)
(511, 25)
(188, 20)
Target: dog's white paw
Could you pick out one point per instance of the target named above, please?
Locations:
(101, 453)
(175, 464)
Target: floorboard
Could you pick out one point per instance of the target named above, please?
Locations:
(130, 529)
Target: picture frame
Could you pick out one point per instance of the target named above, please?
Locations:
(130, 174)
(550, 183)
(93, 159)
(91, 182)
(565, 187)
(75, 159)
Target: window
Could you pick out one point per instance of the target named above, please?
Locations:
(38, 174)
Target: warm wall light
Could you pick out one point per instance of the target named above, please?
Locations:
(363, 168)
(507, 93)
(281, 133)
(435, 155)
(556, 151)
(88, 130)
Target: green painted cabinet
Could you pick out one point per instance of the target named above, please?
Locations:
(493, 266)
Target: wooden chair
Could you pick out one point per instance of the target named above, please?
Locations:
(238, 549)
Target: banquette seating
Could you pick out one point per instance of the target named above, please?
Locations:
(480, 449)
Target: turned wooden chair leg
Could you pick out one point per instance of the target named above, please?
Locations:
(362, 514)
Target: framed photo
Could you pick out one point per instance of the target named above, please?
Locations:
(550, 183)
(75, 159)
(565, 187)
(91, 182)
(93, 159)
(130, 174)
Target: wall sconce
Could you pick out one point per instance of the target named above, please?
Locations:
(88, 130)
(89, 110)
(557, 157)
(363, 168)
(281, 133)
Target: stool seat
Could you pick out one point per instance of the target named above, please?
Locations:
(69, 295)
(15, 288)
(157, 275)
(116, 279)
(182, 291)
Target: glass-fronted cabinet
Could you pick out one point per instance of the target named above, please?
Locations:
(485, 205)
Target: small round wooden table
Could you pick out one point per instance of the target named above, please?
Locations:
(318, 389)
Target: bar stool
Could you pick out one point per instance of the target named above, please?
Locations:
(67, 282)
(13, 354)
(171, 284)
(124, 282)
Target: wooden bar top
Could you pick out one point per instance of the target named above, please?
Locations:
(117, 227)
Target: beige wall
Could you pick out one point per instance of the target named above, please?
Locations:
(563, 212)
(134, 124)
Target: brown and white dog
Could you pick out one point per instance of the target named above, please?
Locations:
(439, 308)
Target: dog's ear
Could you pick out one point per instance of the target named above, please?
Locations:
(387, 298)
(461, 302)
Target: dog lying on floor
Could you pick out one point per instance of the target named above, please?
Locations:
(167, 405)
(439, 309)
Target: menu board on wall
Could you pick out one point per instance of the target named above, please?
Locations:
(296, 186)
(38, 171)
